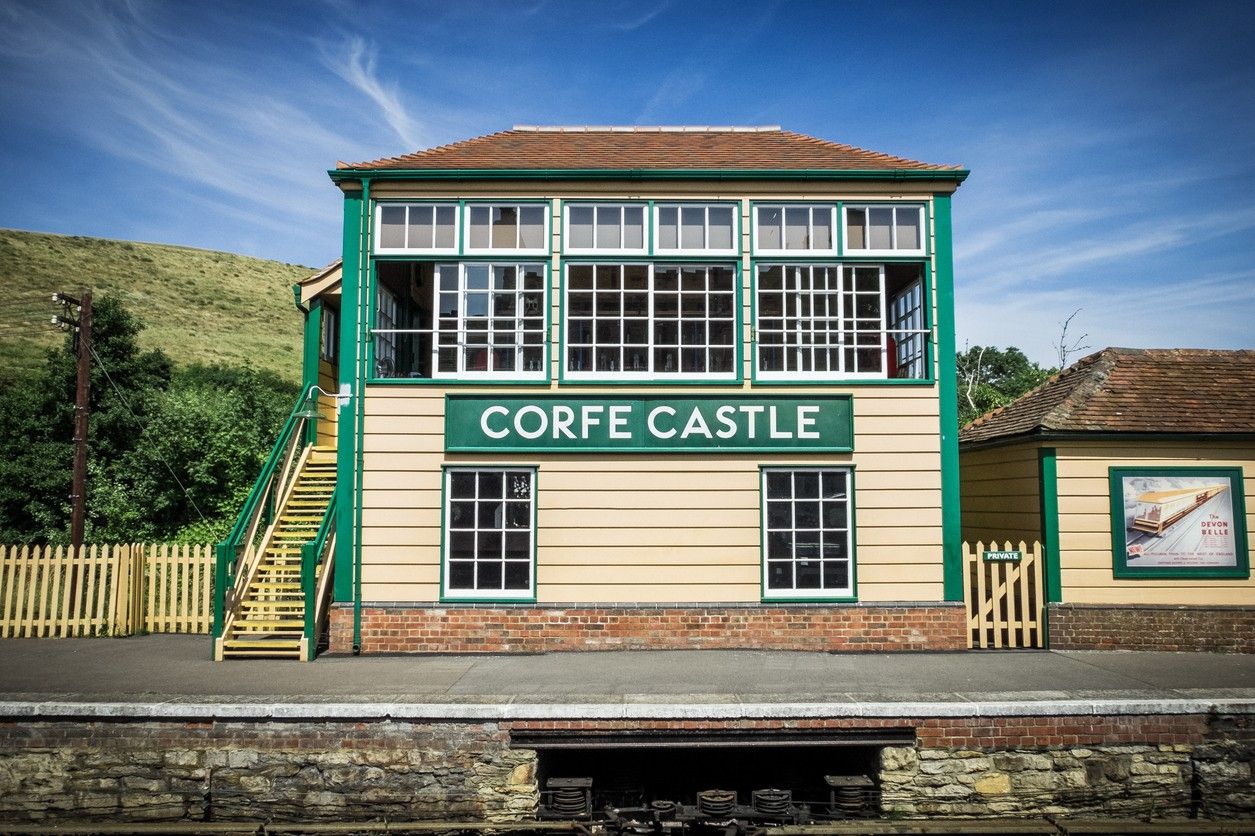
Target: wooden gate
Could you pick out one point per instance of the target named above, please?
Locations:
(1003, 591)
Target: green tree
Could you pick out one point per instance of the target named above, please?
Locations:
(171, 454)
(990, 377)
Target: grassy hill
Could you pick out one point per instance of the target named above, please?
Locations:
(198, 305)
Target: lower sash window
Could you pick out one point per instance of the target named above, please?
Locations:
(808, 543)
(490, 531)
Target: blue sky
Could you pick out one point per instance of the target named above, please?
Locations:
(1112, 145)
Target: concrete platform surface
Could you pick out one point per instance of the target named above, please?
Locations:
(172, 676)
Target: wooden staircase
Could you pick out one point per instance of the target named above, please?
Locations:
(269, 618)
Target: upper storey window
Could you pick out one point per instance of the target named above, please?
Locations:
(884, 230)
(605, 229)
(795, 230)
(695, 229)
(507, 228)
(416, 228)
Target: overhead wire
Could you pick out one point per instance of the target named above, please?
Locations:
(143, 426)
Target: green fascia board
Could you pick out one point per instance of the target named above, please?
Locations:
(341, 174)
(948, 404)
(1062, 436)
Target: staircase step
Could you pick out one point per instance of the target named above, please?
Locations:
(283, 604)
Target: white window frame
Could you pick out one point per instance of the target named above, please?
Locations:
(567, 249)
(378, 228)
(387, 333)
(680, 206)
(847, 591)
(842, 374)
(893, 233)
(474, 594)
(759, 250)
(462, 372)
(542, 250)
(651, 320)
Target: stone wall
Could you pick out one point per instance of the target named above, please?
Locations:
(1151, 627)
(1148, 766)
(134, 771)
(533, 629)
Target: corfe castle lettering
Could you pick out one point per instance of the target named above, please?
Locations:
(653, 423)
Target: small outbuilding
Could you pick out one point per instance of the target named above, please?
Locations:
(1131, 467)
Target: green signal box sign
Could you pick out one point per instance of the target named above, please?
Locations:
(649, 424)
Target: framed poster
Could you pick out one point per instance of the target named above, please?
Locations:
(1178, 522)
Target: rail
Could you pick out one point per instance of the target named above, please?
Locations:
(315, 584)
(235, 556)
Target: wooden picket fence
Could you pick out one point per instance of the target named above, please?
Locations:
(1004, 595)
(105, 590)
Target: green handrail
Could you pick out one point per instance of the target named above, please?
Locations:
(311, 554)
(226, 553)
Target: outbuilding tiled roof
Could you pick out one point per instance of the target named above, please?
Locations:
(667, 148)
(1133, 390)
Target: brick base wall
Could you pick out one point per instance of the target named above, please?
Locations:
(488, 629)
(1151, 627)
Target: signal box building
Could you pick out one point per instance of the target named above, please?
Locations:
(641, 388)
(1132, 467)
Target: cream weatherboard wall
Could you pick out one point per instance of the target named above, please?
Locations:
(326, 405)
(660, 528)
(1000, 494)
(1085, 559)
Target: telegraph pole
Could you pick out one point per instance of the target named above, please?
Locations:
(82, 326)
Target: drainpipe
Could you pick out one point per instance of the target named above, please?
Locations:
(363, 314)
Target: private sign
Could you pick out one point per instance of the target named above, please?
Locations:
(658, 423)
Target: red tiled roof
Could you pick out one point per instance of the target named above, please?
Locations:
(747, 149)
(1151, 390)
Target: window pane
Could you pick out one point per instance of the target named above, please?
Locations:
(668, 232)
(446, 233)
(796, 231)
(580, 227)
(479, 227)
(768, 228)
(392, 227)
(880, 220)
(633, 228)
(420, 227)
(608, 220)
(720, 228)
(505, 227)
(908, 228)
(856, 229)
(532, 227)
(821, 224)
(692, 233)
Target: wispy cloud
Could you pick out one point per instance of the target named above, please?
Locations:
(357, 63)
(642, 19)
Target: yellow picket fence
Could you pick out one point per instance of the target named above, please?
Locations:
(1003, 591)
(99, 590)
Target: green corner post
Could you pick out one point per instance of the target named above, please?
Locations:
(346, 427)
(1048, 490)
(948, 405)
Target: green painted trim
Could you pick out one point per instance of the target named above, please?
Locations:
(346, 436)
(948, 402)
(1241, 569)
(339, 175)
(445, 470)
(1048, 497)
(763, 597)
(310, 354)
